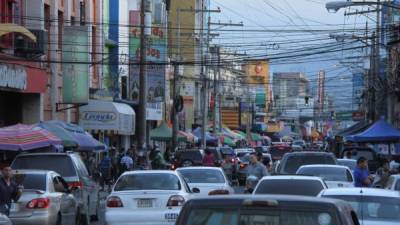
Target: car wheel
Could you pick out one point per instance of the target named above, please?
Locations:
(187, 163)
(59, 220)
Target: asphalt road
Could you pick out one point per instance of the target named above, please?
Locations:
(103, 195)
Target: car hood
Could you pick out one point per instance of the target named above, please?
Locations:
(376, 222)
(206, 188)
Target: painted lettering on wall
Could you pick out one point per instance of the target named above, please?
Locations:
(13, 76)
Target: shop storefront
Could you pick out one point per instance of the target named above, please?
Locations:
(111, 122)
(21, 88)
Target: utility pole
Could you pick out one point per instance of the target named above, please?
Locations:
(145, 29)
(216, 53)
(371, 80)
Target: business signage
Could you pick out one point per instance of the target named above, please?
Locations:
(76, 66)
(257, 72)
(104, 117)
(13, 76)
(154, 111)
(358, 116)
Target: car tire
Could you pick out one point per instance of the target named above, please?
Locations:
(59, 220)
(187, 163)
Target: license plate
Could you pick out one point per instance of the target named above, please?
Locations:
(171, 216)
(144, 203)
(14, 207)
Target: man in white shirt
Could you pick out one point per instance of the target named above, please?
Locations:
(127, 162)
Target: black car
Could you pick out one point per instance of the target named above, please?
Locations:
(186, 158)
(266, 209)
(368, 153)
(292, 161)
(277, 151)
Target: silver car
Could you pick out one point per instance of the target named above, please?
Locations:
(45, 200)
(4, 220)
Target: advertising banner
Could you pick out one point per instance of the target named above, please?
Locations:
(75, 70)
(156, 52)
(257, 73)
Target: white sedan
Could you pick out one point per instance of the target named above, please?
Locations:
(147, 198)
(335, 176)
(373, 206)
(210, 180)
(393, 183)
(4, 220)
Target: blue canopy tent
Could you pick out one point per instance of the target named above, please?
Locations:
(379, 132)
(209, 138)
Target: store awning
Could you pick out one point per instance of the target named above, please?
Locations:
(7, 28)
(108, 117)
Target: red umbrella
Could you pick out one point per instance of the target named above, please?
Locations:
(26, 137)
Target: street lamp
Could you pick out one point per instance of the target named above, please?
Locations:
(335, 6)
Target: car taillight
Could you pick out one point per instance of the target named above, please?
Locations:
(173, 167)
(219, 192)
(175, 200)
(114, 202)
(233, 160)
(75, 184)
(242, 165)
(38, 203)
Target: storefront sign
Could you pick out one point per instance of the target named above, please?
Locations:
(99, 116)
(76, 69)
(154, 111)
(13, 76)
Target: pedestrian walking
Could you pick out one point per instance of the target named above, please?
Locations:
(362, 178)
(158, 162)
(9, 191)
(105, 170)
(209, 158)
(256, 168)
(126, 162)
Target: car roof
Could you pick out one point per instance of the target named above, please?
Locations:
(48, 154)
(325, 166)
(309, 153)
(31, 171)
(396, 176)
(361, 191)
(234, 200)
(347, 160)
(291, 177)
(199, 168)
(150, 172)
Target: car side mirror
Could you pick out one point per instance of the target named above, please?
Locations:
(195, 190)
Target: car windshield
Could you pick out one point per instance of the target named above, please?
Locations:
(245, 157)
(202, 176)
(294, 162)
(31, 181)
(62, 164)
(285, 187)
(327, 173)
(373, 208)
(227, 151)
(148, 181)
(195, 155)
(228, 216)
(301, 143)
(349, 163)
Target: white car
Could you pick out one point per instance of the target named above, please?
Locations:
(334, 176)
(290, 185)
(393, 183)
(4, 220)
(373, 206)
(147, 197)
(210, 180)
(243, 151)
(351, 163)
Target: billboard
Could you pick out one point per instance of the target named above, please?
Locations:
(75, 69)
(257, 73)
(156, 52)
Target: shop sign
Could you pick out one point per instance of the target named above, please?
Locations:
(103, 117)
(154, 111)
(13, 76)
(358, 116)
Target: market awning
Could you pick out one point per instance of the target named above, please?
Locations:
(380, 131)
(6, 28)
(67, 139)
(108, 117)
(164, 133)
(256, 137)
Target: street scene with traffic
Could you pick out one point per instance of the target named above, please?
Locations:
(199, 112)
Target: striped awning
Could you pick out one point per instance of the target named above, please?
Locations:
(6, 28)
(22, 137)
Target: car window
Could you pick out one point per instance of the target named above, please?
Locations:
(148, 181)
(62, 164)
(259, 217)
(194, 155)
(227, 151)
(58, 185)
(326, 173)
(285, 187)
(373, 208)
(293, 162)
(389, 183)
(202, 176)
(397, 186)
(32, 181)
(81, 166)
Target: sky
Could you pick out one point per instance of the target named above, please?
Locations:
(264, 21)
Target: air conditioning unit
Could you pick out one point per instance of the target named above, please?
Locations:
(27, 48)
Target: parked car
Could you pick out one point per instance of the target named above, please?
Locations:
(71, 167)
(373, 206)
(335, 176)
(4, 220)
(147, 197)
(290, 185)
(277, 151)
(46, 199)
(209, 180)
(393, 183)
(291, 162)
(265, 210)
(185, 158)
(368, 153)
(351, 163)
